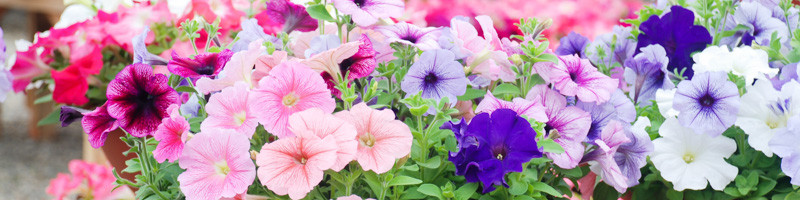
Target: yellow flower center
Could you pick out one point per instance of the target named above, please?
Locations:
(688, 158)
(290, 99)
(239, 118)
(367, 140)
(222, 168)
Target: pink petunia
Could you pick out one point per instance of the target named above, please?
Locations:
(381, 138)
(231, 109)
(265, 63)
(295, 165)
(314, 123)
(569, 122)
(532, 109)
(97, 124)
(290, 87)
(368, 12)
(574, 76)
(171, 135)
(217, 164)
(239, 68)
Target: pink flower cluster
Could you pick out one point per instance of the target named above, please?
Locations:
(87, 180)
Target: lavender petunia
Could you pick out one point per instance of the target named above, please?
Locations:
(531, 109)
(437, 75)
(708, 103)
(602, 159)
(760, 22)
(448, 41)
(402, 32)
(570, 123)
(621, 41)
(788, 73)
(3, 49)
(251, 32)
(632, 156)
(6, 83)
(322, 43)
(138, 99)
(492, 146)
(367, 12)
(573, 43)
(203, 65)
(140, 53)
(784, 144)
(292, 16)
(648, 73)
(619, 108)
(676, 32)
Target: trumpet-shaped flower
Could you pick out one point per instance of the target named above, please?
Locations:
(203, 65)
(381, 138)
(743, 61)
(97, 124)
(140, 53)
(171, 136)
(624, 47)
(784, 144)
(139, 99)
(768, 112)
(315, 123)
(632, 156)
(231, 109)
(367, 12)
(570, 123)
(292, 16)
(402, 32)
(437, 75)
(572, 44)
(648, 73)
(217, 165)
(573, 76)
(676, 32)
(708, 103)
(532, 109)
(239, 68)
(602, 159)
(294, 166)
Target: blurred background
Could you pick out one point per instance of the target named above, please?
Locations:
(31, 155)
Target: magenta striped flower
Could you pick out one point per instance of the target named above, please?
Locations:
(138, 99)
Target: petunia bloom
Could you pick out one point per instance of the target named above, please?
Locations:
(691, 160)
(573, 76)
(252, 32)
(381, 138)
(632, 156)
(620, 39)
(315, 123)
(570, 123)
(532, 109)
(437, 75)
(648, 73)
(402, 32)
(767, 112)
(97, 124)
(239, 68)
(217, 165)
(294, 166)
(742, 61)
(572, 44)
(493, 145)
(290, 87)
(784, 144)
(139, 99)
(708, 103)
(602, 159)
(292, 16)
(676, 32)
(171, 135)
(140, 53)
(231, 109)
(70, 86)
(761, 24)
(367, 12)
(203, 65)
(6, 83)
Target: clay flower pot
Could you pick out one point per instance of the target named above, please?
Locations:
(113, 149)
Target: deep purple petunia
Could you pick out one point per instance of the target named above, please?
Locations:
(70, 114)
(708, 103)
(493, 145)
(648, 73)
(251, 32)
(97, 124)
(139, 99)
(292, 16)
(402, 32)
(676, 32)
(437, 75)
(367, 12)
(140, 53)
(203, 65)
(572, 44)
(760, 22)
(570, 123)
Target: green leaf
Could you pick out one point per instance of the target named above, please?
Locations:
(466, 191)
(431, 163)
(430, 190)
(732, 191)
(523, 198)
(471, 94)
(765, 187)
(44, 99)
(404, 180)
(674, 195)
(186, 89)
(550, 146)
(133, 166)
(51, 118)
(319, 12)
(604, 192)
(539, 186)
(506, 88)
(516, 187)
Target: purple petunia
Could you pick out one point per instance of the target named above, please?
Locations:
(602, 159)
(676, 32)
(760, 22)
(203, 65)
(648, 73)
(138, 99)
(570, 123)
(572, 44)
(573, 76)
(784, 144)
(140, 53)
(70, 114)
(292, 16)
(251, 32)
(491, 146)
(617, 46)
(708, 103)
(604, 113)
(437, 75)
(402, 32)
(367, 12)
(632, 156)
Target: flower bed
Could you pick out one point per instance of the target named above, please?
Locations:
(332, 100)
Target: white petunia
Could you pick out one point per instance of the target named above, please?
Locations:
(767, 111)
(690, 160)
(713, 59)
(742, 61)
(664, 102)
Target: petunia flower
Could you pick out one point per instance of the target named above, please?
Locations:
(292, 16)
(290, 87)
(648, 73)
(69, 114)
(493, 145)
(140, 53)
(601, 116)
(70, 86)
(486, 56)
(367, 12)
(381, 138)
(322, 43)
(231, 109)
(570, 123)
(402, 32)
(572, 44)
(532, 109)
(784, 144)
(676, 32)
(708, 103)
(328, 63)
(97, 124)
(203, 65)
(171, 135)
(252, 32)
(437, 75)
(767, 112)
(315, 123)
(632, 156)
(139, 99)
(358, 65)
(664, 100)
(742, 61)
(217, 165)
(295, 165)
(30, 62)
(760, 22)
(601, 160)
(691, 160)
(239, 68)
(573, 76)
(624, 47)
(6, 83)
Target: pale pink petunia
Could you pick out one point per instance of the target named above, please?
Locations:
(231, 109)
(381, 138)
(295, 165)
(265, 63)
(217, 164)
(290, 87)
(532, 109)
(315, 123)
(573, 76)
(171, 135)
(239, 68)
(367, 12)
(328, 61)
(486, 57)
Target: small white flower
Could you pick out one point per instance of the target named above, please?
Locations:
(664, 102)
(713, 59)
(691, 160)
(742, 61)
(767, 111)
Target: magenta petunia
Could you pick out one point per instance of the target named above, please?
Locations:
(171, 136)
(203, 65)
(573, 76)
(231, 109)
(368, 12)
(292, 16)
(97, 124)
(569, 122)
(217, 165)
(139, 99)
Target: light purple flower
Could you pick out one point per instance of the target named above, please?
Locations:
(6, 81)
(602, 158)
(788, 73)
(138, 99)
(140, 53)
(322, 43)
(569, 122)
(573, 76)
(760, 21)
(572, 44)
(402, 32)
(604, 113)
(292, 16)
(624, 47)
(647, 71)
(784, 144)
(2, 51)
(708, 103)
(367, 12)
(437, 75)
(632, 156)
(251, 32)
(448, 41)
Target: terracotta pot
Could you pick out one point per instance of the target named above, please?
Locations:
(113, 149)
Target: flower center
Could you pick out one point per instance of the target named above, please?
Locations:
(573, 76)
(301, 160)
(206, 70)
(431, 78)
(409, 38)
(688, 158)
(359, 3)
(239, 118)
(345, 65)
(707, 100)
(367, 140)
(222, 168)
(290, 99)
(500, 152)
